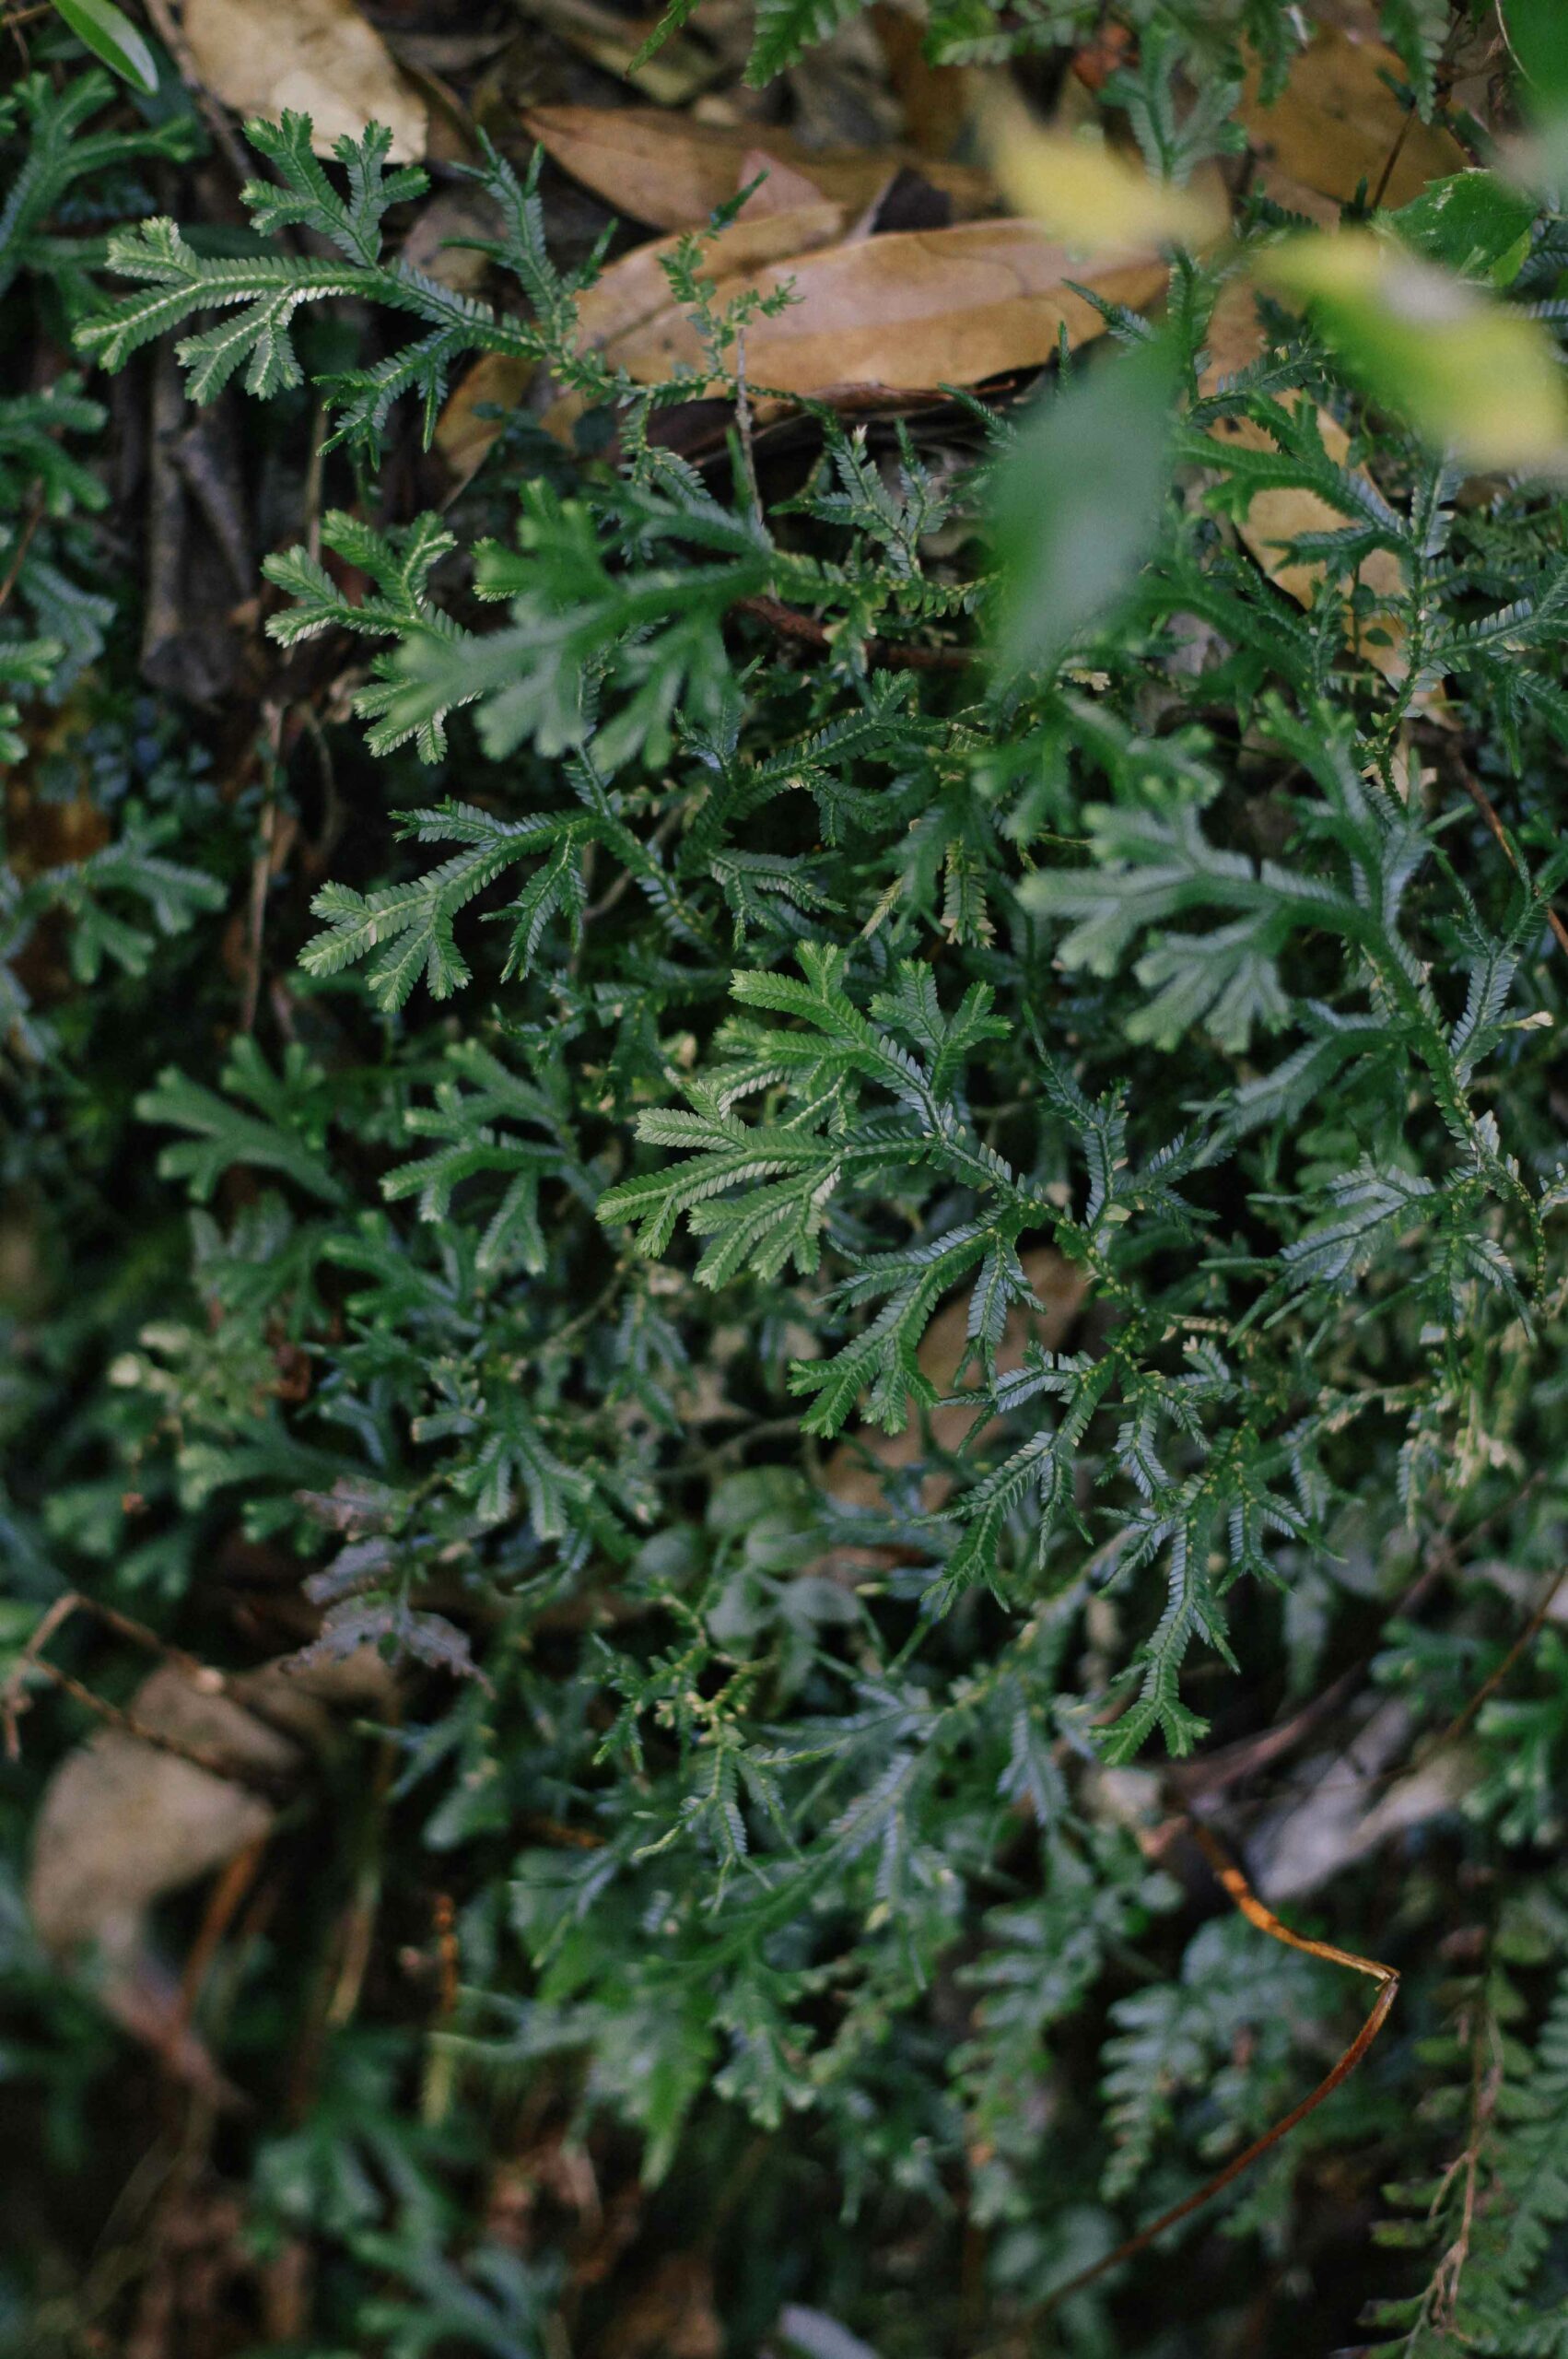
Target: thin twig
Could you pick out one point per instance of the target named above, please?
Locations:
(1252, 1909)
(888, 655)
(1483, 802)
(261, 871)
(744, 420)
(1494, 1680)
(200, 1756)
(30, 523)
(228, 1894)
(13, 1700)
(1485, 2088)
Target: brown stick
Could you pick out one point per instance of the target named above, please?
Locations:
(228, 1894)
(888, 655)
(200, 1756)
(30, 523)
(1494, 1680)
(1483, 802)
(13, 1700)
(1253, 1909)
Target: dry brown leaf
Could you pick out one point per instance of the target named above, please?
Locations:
(497, 379)
(1275, 517)
(316, 57)
(632, 290)
(125, 1822)
(443, 241)
(1336, 125)
(908, 311)
(673, 172)
(857, 1472)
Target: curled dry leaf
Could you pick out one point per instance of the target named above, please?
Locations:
(631, 292)
(316, 57)
(125, 1822)
(910, 311)
(672, 172)
(1338, 125)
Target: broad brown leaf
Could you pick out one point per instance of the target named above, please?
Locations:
(671, 172)
(632, 292)
(908, 311)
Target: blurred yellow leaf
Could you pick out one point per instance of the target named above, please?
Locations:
(1084, 194)
(1468, 373)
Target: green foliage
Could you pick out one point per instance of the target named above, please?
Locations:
(472, 1156)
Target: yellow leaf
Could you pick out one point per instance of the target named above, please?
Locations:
(1471, 374)
(1084, 196)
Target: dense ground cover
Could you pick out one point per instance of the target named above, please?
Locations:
(781, 1165)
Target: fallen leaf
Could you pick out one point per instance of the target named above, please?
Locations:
(1336, 125)
(498, 380)
(912, 311)
(124, 1823)
(631, 291)
(442, 242)
(316, 57)
(937, 99)
(1350, 1812)
(673, 172)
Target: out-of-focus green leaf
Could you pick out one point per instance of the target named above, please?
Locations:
(113, 36)
(1471, 222)
(1538, 39)
(1078, 501)
(1469, 374)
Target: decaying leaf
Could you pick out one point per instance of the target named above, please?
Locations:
(315, 57)
(1338, 126)
(674, 173)
(1350, 1809)
(915, 310)
(671, 74)
(125, 1822)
